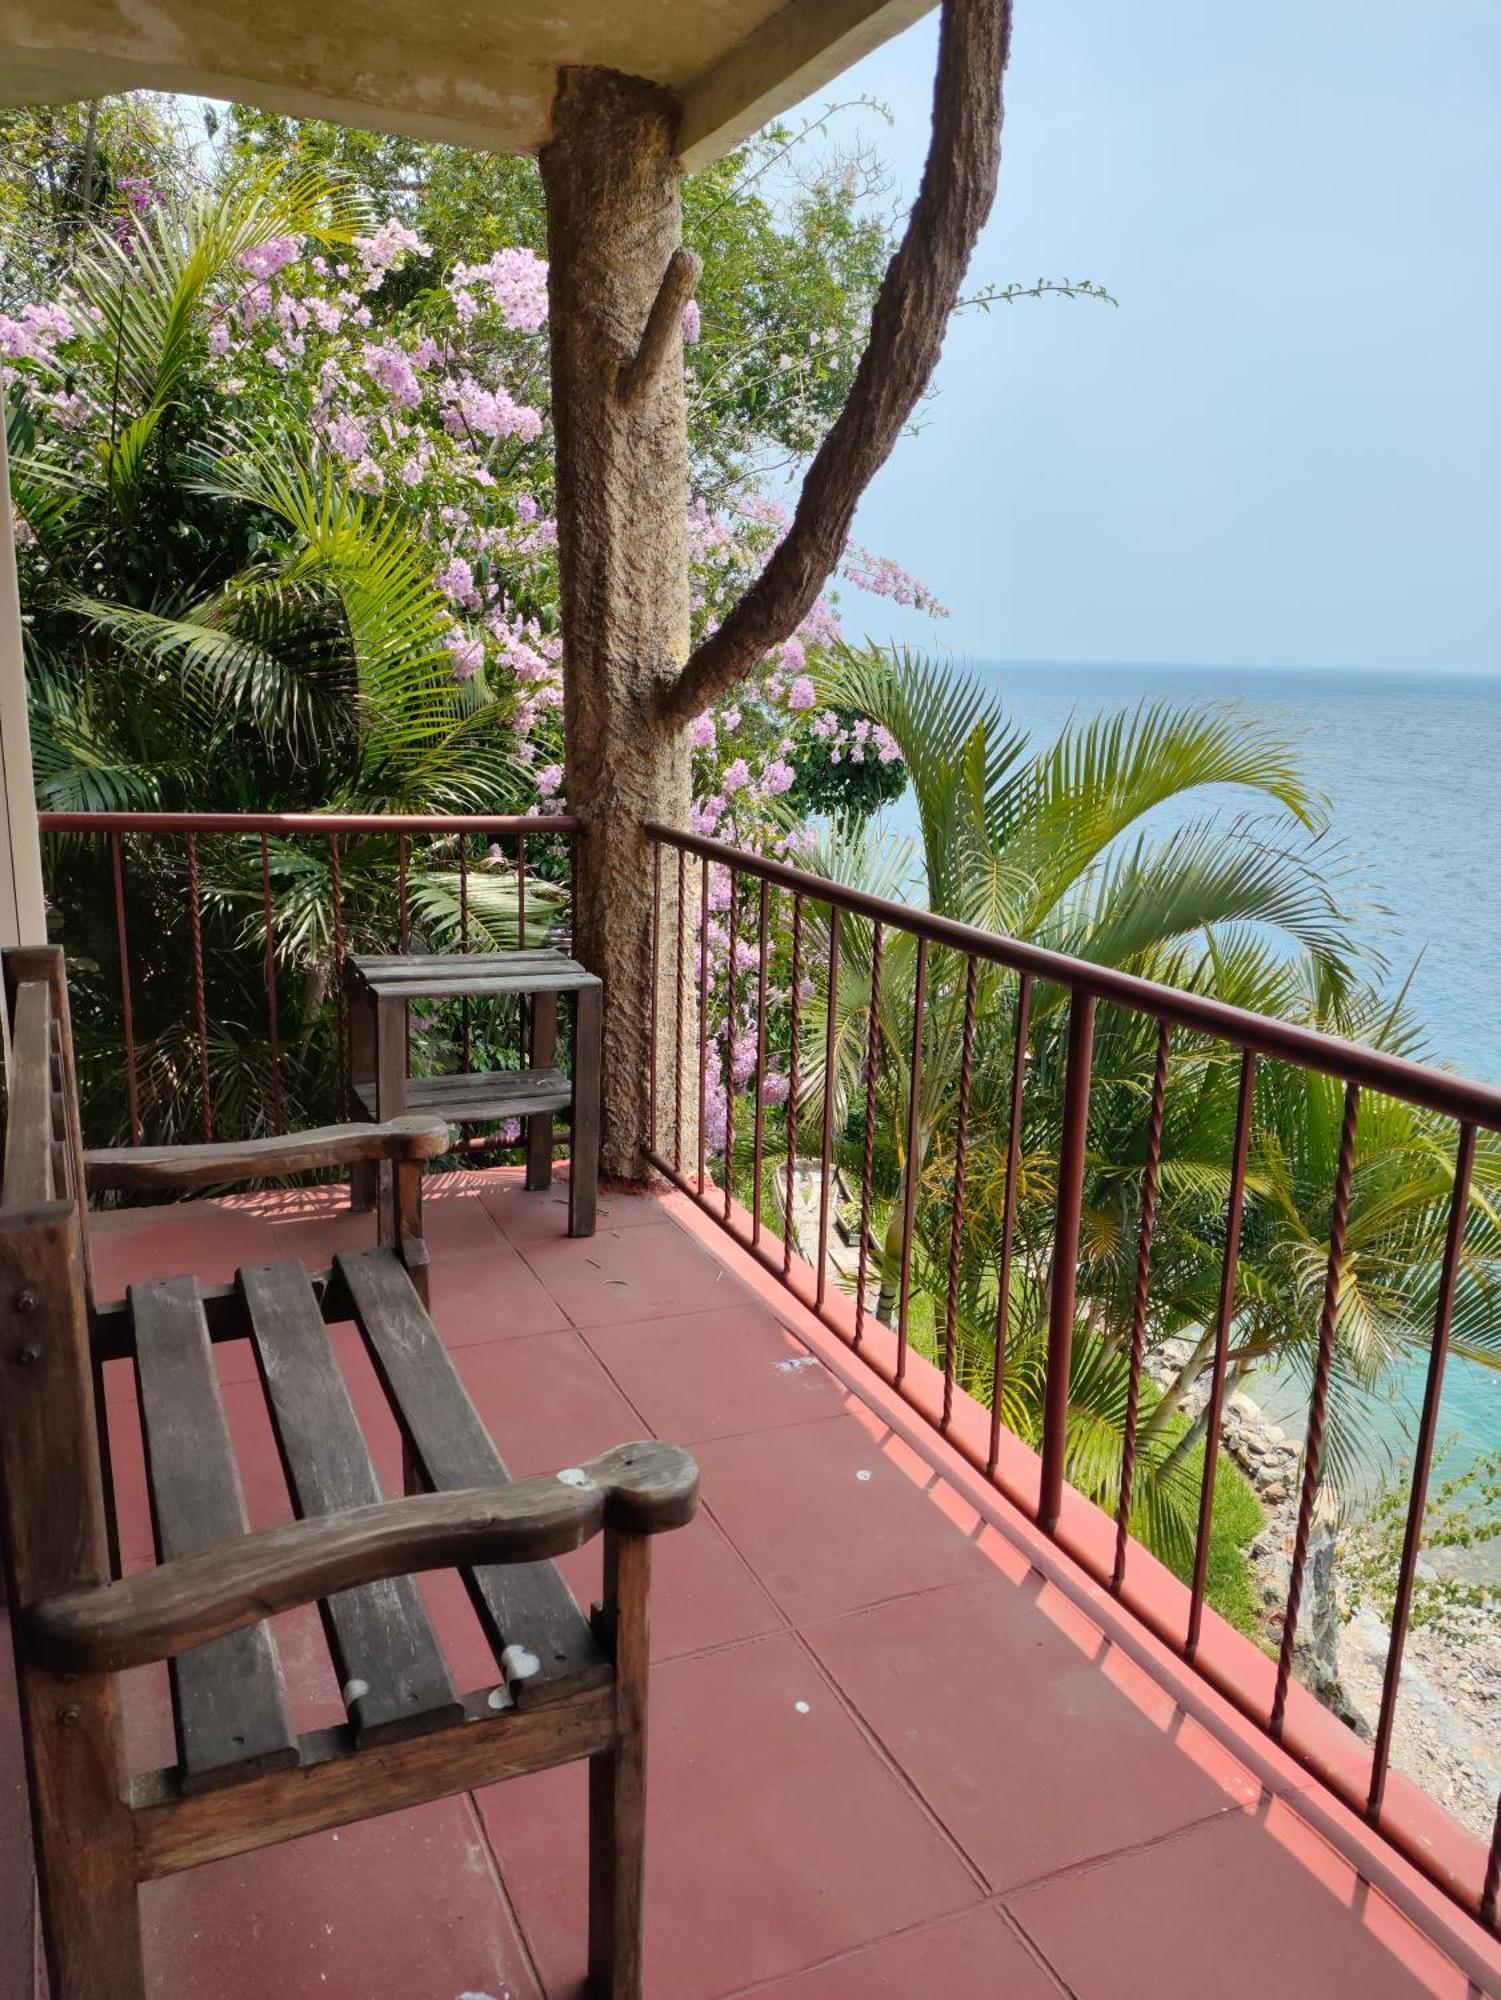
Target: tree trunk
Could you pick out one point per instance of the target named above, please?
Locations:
(613, 226)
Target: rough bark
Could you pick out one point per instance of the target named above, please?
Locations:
(613, 228)
(917, 294)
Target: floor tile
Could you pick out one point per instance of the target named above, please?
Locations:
(777, 1836)
(1068, 1765)
(702, 1594)
(534, 1217)
(971, 1957)
(712, 1374)
(493, 1297)
(831, 1518)
(1240, 1908)
(404, 1906)
(197, 1239)
(637, 1273)
(546, 1402)
(459, 1225)
(315, 1240)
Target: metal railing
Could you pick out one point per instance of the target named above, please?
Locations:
(765, 905)
(266, 840)
(766, 908)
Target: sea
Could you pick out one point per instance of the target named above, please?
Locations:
(1409, 766)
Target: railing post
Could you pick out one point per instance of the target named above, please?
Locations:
(1065, 1257)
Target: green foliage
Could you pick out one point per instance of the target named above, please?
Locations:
(844, 791)
(1453, 1594)
(1055, 844)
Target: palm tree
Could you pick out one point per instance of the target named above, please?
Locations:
(228, 626)
(1058, 847)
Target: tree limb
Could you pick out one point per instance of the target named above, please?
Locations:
(663, 325)
(917, 294)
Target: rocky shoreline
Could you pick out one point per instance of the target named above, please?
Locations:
(1447, 1731)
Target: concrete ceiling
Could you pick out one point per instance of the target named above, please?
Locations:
(446, 69)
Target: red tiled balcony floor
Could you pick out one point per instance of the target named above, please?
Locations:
(887, 1753)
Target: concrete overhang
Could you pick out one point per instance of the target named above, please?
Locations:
(446, 69)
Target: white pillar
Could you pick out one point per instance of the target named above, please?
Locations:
(23, 917)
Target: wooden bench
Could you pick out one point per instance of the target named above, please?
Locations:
(566, 1687)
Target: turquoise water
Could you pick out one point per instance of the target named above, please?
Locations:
(1411, 767)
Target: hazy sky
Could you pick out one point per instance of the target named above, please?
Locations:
(1285, 446)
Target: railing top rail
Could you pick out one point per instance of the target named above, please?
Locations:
(324, 823)
(1309, 1048)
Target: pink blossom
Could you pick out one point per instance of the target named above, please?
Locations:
(347, 436)
(794, 656)
(264, 260)
(474, 409)
(802, 694)
(367, 477)
(736, 777)
(820, 627)
(218, 338)
(701, 732)
(468, 654)
(391, 369)
(549, 780)
(456, 580)
(517, 280)
(692, 322)
(778, 777)
(386, 248)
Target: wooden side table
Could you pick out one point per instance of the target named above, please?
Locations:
(379, 988)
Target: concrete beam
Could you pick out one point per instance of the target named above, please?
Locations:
(377, 75)
(798, 50)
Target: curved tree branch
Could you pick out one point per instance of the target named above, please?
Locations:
(664, 326)
(907, 326)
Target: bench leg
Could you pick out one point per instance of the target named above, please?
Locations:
(85, 1853)
(544, 1052)
(583, 1147)
(617, 1784)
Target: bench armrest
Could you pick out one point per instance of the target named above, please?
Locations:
(636, 1489)
(127, 1169)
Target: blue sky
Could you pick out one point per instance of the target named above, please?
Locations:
(1284, 448)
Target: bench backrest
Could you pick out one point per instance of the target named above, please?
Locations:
(51, 1450)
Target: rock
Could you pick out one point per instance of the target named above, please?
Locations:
(1276, 1491)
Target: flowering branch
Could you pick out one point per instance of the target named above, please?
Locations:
(664, 325)
(906, 335)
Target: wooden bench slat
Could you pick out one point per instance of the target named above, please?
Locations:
(481, 1095)
(527, 1605)
(229, 1697)
(390, 1665)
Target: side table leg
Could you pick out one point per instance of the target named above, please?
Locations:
(583, 1151)
(359, 1008)
(544, 1050)
(390, 1093)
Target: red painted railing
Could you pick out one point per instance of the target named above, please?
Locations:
(769, 903)
(746, 883)
(125, 833)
